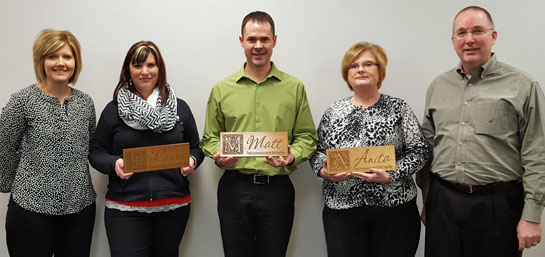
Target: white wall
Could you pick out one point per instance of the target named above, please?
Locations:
(199, 41)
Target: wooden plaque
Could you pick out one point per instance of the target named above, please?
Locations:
(159, 157)
(361, 159)
(252, 144)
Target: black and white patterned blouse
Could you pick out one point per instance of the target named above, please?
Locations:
(388, 122)
(43, 153)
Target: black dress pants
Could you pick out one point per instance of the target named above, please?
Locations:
(255, 219)
(31, 234)
(139, 234)
(472, 225)
(370, 231)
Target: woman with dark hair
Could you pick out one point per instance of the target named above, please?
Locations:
(370, 213)
(146, 213)
(45, 130)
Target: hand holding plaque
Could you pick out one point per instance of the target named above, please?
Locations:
(333, 177)
(361, 159)
(228, 161)
(281, 161)
(374, 175)
(120, 169)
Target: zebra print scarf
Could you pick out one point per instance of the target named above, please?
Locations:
(140, 114)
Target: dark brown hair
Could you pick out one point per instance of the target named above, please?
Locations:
(259, 17)
(137, 54)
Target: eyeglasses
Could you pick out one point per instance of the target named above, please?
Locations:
(476, 32)
(365, 66)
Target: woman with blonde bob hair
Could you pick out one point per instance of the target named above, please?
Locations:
(45, 131)
(370, 213)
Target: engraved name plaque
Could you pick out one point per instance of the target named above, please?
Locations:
(159, 157)
(253, 144)
(361, 159)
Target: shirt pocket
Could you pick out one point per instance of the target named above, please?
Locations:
(493, 118)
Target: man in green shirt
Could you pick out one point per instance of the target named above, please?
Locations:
(255, 194)
(484, 191)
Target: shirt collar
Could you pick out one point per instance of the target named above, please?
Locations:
(485, 70)
(273, 73)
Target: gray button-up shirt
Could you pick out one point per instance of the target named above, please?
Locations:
(487, 128)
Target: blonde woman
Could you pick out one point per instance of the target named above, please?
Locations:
(45, 131)
(374, 213)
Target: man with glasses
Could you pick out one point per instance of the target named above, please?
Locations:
(484, 190)
(255, 195)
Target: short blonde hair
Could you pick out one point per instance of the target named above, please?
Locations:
(48, 42)
(355, 51)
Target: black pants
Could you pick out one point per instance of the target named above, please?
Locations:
(372, 231)
(255, 220)
(31, 234)
(472, 225)
(138, 234)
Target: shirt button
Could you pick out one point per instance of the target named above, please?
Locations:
(459, 163)
(257, 102)
(463, 123)
(256, 119)
(465, 103)
(469, 84)
(460, 142)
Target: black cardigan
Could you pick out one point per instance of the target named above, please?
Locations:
(113, 135)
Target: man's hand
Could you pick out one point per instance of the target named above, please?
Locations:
(528, 234)
(281, 160)
(333, 177)
(375, 175)
(225, 161)
(188, 170)
(119, 167)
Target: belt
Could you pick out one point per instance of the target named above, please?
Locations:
(258, 179)
(480, 189)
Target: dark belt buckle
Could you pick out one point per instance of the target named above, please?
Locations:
(260, 179)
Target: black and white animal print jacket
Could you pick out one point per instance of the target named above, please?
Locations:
(43, 151)
(388, 122)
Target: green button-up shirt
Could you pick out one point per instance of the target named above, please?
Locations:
(488, 128)
(278, 103)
